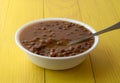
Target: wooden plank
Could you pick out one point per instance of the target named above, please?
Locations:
(106, 57)
(3, 11)
(79, 74)
(116, 6)
(15, 67)
(82, 73)
(62, 8)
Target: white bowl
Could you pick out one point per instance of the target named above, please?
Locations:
(56, 63)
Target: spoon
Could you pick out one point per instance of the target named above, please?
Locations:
(113, 27)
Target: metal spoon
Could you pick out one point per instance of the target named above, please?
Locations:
(113, 27)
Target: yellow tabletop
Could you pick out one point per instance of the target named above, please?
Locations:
(101, 66)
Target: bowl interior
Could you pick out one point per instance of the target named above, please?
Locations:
(17, 35)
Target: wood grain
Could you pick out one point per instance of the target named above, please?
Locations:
(15, 67)
(3, 11)
(101, 66)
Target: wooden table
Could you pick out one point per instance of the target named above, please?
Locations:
(101, 66)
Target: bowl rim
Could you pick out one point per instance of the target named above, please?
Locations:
(17, 34)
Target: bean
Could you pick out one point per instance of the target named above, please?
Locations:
(64, 28)
(81, 51)
(36, 46)
(62, 50)
(64, 53)
(52, 50)
(60, 27)
(59, 42)
(43, 28)
(52, 54)
(76, 29)
(59, 54)
(39, 29)
(87, 43)
(52, 32)
(78, 46)
(70, 48)
(28, 46)
(89, 33)
(73, 54)
(36, 52)
(31, 49)
(41, 41)
(44, 35)
(24, 41)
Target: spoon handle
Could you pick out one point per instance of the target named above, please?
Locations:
(113, 27)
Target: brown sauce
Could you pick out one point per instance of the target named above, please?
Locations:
(51, 38)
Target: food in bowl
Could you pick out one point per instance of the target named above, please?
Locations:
(51, 38)
(55, 62)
